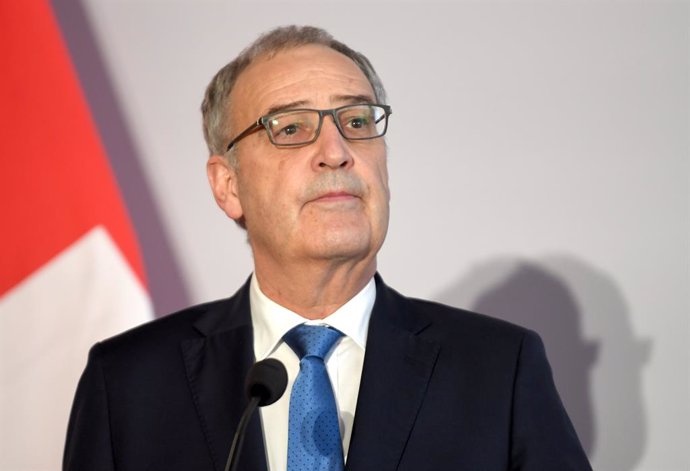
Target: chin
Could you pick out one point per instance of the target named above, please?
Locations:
(342, 246)
(343, 239)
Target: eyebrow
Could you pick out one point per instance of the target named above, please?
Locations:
(354, 99)
(349, 99)
(286, 106)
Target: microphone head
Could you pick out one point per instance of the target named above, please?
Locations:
(267, 380)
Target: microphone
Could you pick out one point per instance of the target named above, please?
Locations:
(266, 380)
(265, 384)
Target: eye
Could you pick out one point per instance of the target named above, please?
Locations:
(358, 122)
(293, 127)
(290, 129)
(284, 128)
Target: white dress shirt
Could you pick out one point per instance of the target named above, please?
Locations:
(344, 364)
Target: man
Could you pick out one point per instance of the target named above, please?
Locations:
(295, 130)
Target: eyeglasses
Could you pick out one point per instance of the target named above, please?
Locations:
(292, 128)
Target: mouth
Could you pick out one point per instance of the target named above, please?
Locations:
(334, 196)
(338, 190)
(336, 200)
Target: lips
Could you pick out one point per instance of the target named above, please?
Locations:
(335, 196)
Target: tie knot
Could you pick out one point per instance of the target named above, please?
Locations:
(312, 340)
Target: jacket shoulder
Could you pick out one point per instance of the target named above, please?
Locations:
(172, 324)
(452, 320)
(166, 333)
(466, 319)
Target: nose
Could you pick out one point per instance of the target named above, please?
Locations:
(332, 150)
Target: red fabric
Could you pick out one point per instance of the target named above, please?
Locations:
(55, 181)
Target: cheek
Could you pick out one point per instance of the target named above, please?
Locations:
(382, 163)
(254, 191)
(384, 212)
(382, 178)
(277, 194)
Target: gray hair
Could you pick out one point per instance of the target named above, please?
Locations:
(216, 104)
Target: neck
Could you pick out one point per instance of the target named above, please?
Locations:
(316, 290)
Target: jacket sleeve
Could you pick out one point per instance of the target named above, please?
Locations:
(88, 446)
(543, 438)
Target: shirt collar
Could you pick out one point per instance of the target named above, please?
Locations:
(271, 321)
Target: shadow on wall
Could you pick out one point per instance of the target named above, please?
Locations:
(164, 276)
(599, 374)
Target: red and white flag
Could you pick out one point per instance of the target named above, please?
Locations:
(70, 270)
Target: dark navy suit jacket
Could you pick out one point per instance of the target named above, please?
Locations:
(441, 389)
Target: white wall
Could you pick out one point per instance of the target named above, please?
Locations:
(539, 169)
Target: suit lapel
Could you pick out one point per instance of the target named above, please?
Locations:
(397, 368)
(217, 364)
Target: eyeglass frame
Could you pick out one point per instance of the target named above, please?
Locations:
(264, 120)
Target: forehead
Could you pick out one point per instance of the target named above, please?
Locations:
(312, 76)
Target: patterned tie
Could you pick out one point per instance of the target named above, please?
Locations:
(313, 435)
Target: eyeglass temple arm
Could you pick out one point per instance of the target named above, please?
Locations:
(245, 133)
(387, 112)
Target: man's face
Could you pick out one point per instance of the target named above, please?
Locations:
(323, 201)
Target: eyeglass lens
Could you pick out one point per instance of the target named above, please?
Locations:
(296, 127)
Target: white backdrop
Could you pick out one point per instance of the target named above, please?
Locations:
(538, 154)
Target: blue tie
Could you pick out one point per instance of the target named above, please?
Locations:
(313, 434)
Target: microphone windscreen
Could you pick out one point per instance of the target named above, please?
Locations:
(267, 380)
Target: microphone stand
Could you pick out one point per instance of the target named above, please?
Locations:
(264, 385)
(233, 457)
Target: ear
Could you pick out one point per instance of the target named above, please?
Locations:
(222, 177)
